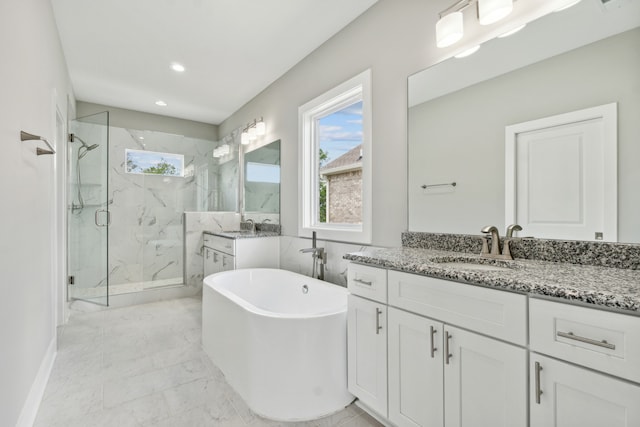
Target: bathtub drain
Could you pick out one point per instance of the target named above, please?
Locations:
(305, 289)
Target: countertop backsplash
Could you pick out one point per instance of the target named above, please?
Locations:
(602, 254)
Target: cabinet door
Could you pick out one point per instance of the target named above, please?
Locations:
(415, 370)
(485, 381)
(576, 397)
(209, 265)
(228, 262)
(367, 352)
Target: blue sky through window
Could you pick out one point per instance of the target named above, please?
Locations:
(341, 131)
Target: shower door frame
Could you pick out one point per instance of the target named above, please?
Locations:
(102, 257)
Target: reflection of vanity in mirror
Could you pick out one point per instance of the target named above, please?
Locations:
(262, 184)
(459, 109)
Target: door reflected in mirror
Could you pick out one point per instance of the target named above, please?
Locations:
(459, 111)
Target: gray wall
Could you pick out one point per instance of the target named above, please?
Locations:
(129, 119)
(395, 39)
(460, 137)
(33, 82)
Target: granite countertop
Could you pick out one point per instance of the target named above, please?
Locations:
(243, 234)
(604, 287)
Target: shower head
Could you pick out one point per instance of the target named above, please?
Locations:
(86, 150)
(86, 147)
(84, 144)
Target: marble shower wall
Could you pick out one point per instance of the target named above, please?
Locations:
(146, 232)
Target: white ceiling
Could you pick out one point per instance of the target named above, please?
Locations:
(119, 52)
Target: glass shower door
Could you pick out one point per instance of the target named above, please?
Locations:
(88, 216)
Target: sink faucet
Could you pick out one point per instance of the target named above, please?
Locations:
(318, 255)
(253, 224)
(495, 242)
(496, 253)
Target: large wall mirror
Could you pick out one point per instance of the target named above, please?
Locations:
(262, 183)
(576, 59)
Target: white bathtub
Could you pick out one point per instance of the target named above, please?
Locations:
(282, 349)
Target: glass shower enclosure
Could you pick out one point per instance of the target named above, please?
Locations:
(88, 213)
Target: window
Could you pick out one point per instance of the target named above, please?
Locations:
(335, 163)
(152, 163)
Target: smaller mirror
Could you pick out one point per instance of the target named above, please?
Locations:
(262, 183)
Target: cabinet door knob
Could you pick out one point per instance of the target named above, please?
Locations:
(378, 326)
(447, 337)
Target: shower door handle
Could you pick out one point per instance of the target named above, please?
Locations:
(95, 217)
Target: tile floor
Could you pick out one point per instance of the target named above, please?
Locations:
(144, 366)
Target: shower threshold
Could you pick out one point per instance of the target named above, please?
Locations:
(126, 288)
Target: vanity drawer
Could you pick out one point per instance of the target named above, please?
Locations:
(368, 282)
(219, 243)
(601, 340)
(495, 313)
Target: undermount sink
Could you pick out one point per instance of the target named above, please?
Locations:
(474, 264)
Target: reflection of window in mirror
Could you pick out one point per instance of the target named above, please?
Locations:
(335, 162)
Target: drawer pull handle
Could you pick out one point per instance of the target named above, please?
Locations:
(538, 389)
(364, 282)
(447, 355)
(378, 327)
(433, 347)
(572, 336)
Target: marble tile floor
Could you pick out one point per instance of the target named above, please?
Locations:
(143, 366)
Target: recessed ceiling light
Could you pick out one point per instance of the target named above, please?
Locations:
(141, 137)
(177, 67)
(161, 103)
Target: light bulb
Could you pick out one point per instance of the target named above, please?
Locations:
(244, 138)
(449, 29)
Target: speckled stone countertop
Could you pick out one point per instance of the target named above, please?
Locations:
(604, 287)
(243, 234)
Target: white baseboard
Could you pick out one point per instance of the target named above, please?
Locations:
(31, 405)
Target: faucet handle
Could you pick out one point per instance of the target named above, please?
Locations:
(511, 229)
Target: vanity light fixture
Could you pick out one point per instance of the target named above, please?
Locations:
(161, 103)
(467, 52)
(252, 131)
(450, 25)
(491, 11)
(221, 151)
(449, 29)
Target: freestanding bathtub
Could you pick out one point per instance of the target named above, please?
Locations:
(280, 338)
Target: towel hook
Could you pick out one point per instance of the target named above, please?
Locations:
(25, 136)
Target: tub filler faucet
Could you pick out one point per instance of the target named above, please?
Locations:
(319, 258)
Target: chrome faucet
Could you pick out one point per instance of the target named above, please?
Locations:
(318, 255)
(253, 224)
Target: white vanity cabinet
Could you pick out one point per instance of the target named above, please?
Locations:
(225, 253)
(443, 375)
(565, 395)
(439, 373)
(367, 336)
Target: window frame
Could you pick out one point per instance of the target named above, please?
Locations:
(356, 89)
